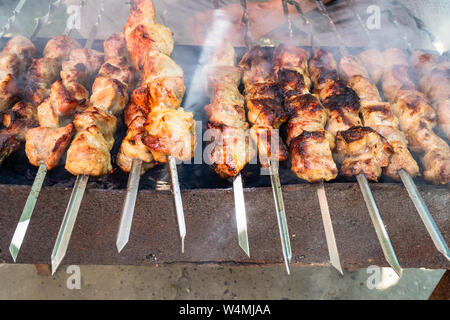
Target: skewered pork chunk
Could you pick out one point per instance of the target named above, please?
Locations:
(170, 132)
(373, 60)
(89, 153)
(15, 59)
(362, 150)
(47, 145)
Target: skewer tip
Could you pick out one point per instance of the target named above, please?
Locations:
(120, 244)
(14, 252)
(182, 245)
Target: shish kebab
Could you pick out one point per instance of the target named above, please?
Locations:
(15, 59)
(374, 60)
(416, 119)
(361, 151)
(23, 116)
(89, 153)
(232, 148)
(433, 75)
(46, 144)
(380, 116)
(40, 75)
(266, 115)
(168, 132)
(310, 145)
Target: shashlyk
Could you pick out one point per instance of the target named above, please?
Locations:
(358, 149)
(168, 130)
(378, 115)
(309, 143)
(46, 70)
(15, 59)
(265, 110)
(416, 117)
(89, 153)
(434, 81)
(47, 143)
(231, 148)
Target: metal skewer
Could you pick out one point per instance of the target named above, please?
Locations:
(123, 235)
(375, 216)
(274, 177)
(172, 165)
(321, 194)
(12, 19)
(70, 216)
(73, 207)
(22, 226)
(407, 180)
(241, 216)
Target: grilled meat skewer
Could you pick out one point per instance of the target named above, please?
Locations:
(15, 59)
(358, 149)
(41, 74)
(89, 153)
(416, 117)
(47, 143)
(435, 83)
(231, 149)
(309, 143)
(265, 111)
(379, 116)
(155, 120)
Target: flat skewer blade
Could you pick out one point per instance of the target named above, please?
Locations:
(424, 214)
(22, 226)
(172, 163)
(65, 231)
(378, 224)
(281, 216)
(241, 216)
(328, 226)
(123, 235)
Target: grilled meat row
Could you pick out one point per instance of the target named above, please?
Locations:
(157, 126)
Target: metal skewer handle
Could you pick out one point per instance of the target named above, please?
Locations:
(126, 219)
(70, 216)
(172, 165)
(378, 224)
(241, 216)
(27, 212)
(281, 216)
(425, 215)
(328, 226)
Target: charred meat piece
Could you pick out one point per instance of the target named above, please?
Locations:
(362, 150)
(47, 145)
(311, 156)
(170, 132)
(89, 153)
(230, 149)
